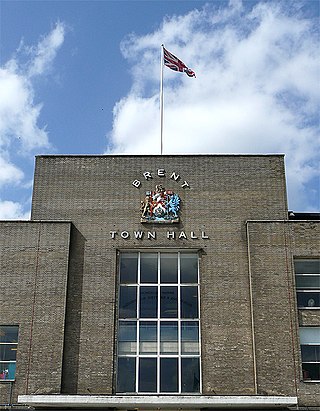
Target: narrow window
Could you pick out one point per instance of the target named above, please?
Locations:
(307, 283)
(310, 353)
(8, 351)
(159, 325)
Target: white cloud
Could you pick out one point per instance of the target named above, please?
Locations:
(20, 132)
(10, 210)
(256, 89)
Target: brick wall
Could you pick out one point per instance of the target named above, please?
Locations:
(33, 283)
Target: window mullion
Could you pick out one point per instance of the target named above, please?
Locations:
(179, 325)
(158, 326)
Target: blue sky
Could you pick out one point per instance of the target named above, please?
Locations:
(82, 77)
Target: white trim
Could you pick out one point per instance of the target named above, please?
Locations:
(157, 401)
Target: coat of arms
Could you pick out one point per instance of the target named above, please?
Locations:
(160, 206)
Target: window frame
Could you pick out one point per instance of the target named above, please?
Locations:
(160, 321)
(3, 344)
(308, 344)
(300, 290)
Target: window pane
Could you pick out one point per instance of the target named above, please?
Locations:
(309, 335)
(128, 302)
(148, 302)
(189, 337)
(7, 371)
(169, 302)
(168, 268)
(310, 353)
(126, 374)
(189, 302)
(307, 266)
(148, 337)
(311, 371)
(149, 268)
(190, 375)
(308, 281)
(8, 352)
(169, 374)
(189, 268)
(9, 333)
(147, 375)
(169, 337)
(127, 337)
(128, 268)
(308, 299)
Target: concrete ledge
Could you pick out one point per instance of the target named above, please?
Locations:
(157, 401)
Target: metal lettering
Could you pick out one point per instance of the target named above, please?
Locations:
(182, 235)
(151, 235)
(161, 172)
(147, 175)
(171, 234)
(124, 234)
(136, 183)
(185, 184)
(192, 235)
(175, 176)
(204, 236)
(113, 234)
(138, 234)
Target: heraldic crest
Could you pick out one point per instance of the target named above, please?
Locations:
(160, 206)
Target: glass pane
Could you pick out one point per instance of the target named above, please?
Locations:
(126, 377)
(189, 268)
(149, 268)
(169, 337)
(128, 302)
(147, 375)
(148, 302)
(308, 281)
(9, 333)
(168, 268)
(310, 353)
(307, 266)
(127, 337)
(311, 371)
(308, 299)
(190, 375)
(128, 268)
(8, 352)
(169, 302)
(309, 335)
(148, 337)
(169, 374)
(7, 371)
(189, 302)
(189, 337)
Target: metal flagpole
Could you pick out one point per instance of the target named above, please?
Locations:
(161, 102)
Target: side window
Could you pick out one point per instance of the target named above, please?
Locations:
(307, 272)
(310, 353)
(159, 325)
(8, 351)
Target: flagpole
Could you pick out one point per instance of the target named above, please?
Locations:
(161, 102)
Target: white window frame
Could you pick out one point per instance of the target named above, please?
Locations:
(137, 355)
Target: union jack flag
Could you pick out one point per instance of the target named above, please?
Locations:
(175, 64)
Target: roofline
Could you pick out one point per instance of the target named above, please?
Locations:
(160, 155)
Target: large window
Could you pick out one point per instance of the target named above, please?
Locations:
(310, 353)
(8, 351)
(158, 326)
(308, 283)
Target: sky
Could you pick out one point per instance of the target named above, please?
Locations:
(83, 77)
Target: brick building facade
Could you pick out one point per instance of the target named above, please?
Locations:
(115, 300)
